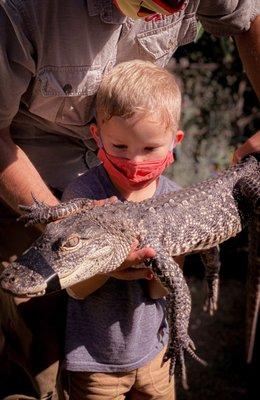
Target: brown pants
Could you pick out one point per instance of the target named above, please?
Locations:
(31, 333)
(150, 382)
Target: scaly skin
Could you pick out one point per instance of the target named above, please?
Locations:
(91, 241)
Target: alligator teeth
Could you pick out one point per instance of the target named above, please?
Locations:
(36, 294)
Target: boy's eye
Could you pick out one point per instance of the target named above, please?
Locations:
(120, 146)
(149, 148)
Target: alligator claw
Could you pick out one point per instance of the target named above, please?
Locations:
(211, 300)
(176, 352)
(36, 213)
(210, 306)
(40, 212)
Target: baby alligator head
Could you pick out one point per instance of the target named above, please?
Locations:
(69, 251)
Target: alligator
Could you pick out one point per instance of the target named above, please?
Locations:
(85, 240)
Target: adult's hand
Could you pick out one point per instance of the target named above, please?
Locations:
(252, 145)
(128, 271)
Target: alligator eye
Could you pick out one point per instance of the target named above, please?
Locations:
(71, 243)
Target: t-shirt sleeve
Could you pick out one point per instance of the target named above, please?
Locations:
(79, 188)
(17, 65)
(227, 17)
(94, 184)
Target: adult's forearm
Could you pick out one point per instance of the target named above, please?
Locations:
(19, 178)
(248, 44)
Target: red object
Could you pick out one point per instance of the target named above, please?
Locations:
(130, 174)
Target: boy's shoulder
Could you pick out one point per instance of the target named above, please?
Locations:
(93, 184)
(166, 185)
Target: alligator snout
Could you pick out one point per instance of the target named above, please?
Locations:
(8, 279)
(17, 280)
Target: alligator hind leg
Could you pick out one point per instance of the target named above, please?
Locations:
(249, 189)
(253, 286)
(177, 311)
(211, 261)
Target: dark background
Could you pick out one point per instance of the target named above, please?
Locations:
(220, 111)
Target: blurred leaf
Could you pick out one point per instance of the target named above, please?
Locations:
(220, 109)
(200, 31)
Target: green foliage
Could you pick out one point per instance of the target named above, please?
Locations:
(220, 109)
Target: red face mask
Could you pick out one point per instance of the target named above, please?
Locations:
(133, 175)
(150, 9)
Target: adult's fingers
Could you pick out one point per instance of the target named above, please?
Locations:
(252, 145)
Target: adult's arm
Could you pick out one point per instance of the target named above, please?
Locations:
(240, 19)
(18, 176)
(248, 44)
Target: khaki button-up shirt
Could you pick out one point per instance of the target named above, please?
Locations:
(53, 54)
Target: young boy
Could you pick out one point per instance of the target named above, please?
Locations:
(116, 328)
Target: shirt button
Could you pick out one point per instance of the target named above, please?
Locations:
(67, 88)
(171, 43)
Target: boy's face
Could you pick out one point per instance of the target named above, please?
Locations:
(137, 139)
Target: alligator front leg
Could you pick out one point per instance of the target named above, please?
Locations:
(211, 261)
(178, 312)
(41, 213)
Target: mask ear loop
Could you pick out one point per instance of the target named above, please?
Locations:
(173, 145)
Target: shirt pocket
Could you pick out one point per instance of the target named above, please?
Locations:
(65, 95)
(158, 45)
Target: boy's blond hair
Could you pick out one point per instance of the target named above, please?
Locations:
(140, 87)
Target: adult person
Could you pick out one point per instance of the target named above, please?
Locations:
(53, 54)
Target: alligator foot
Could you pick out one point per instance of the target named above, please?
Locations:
(211, 300)
(175, 353)
(35, 213)
(42, 213)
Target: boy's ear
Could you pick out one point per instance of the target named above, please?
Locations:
(94, 132)
(179, 137)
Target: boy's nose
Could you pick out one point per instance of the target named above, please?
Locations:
(137, 158)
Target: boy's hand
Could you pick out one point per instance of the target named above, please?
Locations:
(109, 200)
(127, 271)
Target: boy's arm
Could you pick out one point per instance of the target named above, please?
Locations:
(83, 289)
(125, 272)
(155, 289)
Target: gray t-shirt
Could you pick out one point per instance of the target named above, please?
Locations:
(117, 328)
